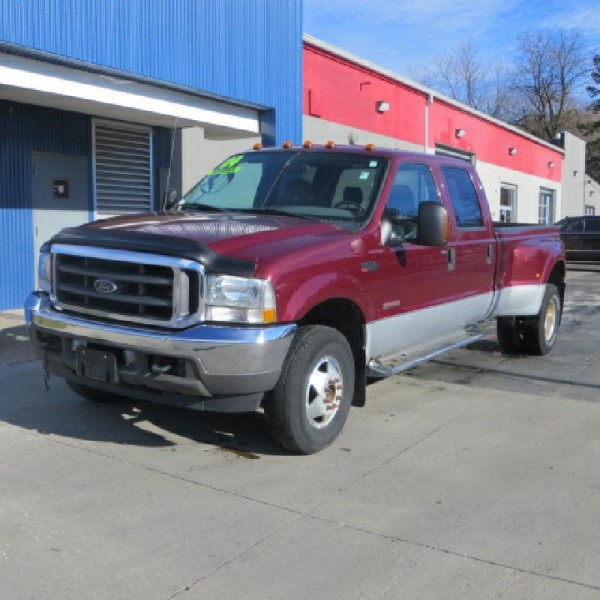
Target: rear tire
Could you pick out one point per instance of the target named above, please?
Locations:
(532, 335)
(510, 334)
(309, 405)
(539, 334)
(93, 394)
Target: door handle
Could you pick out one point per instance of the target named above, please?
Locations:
(489, 255)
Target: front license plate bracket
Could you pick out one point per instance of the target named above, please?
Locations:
(98, 365)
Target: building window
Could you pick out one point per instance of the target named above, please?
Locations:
(508, 203)
(122, 168)
(546, 207)
(590, 210)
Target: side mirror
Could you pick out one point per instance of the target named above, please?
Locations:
(433, 224)
(169, 199)
(388, 236)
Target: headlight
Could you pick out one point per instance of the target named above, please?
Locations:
(45, 272)
(240, 300)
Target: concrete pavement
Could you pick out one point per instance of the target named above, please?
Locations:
(434, 490)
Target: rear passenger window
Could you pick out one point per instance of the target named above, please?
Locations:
(463, 196)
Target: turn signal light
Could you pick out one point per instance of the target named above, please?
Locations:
(447, 228)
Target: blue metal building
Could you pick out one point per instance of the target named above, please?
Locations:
(106, 103)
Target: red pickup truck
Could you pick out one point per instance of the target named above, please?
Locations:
(285, 278)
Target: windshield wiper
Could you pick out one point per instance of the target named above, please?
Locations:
(200, 206)
(277, 212)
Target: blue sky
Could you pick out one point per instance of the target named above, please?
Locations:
(402, 35)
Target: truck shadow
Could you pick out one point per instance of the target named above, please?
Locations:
(14, 345)
(60, 412)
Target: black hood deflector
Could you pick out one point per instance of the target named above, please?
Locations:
(152, 243)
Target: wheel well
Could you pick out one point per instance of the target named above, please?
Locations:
(557, 277)
(347, 318)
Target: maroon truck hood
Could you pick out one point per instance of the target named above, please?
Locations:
(243, 236)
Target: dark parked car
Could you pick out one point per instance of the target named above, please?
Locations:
(581, 236)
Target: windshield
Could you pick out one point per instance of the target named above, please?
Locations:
(333, 187)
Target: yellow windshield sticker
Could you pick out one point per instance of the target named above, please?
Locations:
(228, 167)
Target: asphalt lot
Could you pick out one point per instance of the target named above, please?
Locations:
(475, 476)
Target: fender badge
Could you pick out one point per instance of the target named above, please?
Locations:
(371, 265)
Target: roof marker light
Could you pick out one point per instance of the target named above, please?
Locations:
(330, 144)
(307, 144)
(257, 147)
(287, 144)
(370, 147)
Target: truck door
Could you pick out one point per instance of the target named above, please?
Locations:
(474, 244)
(415, 286)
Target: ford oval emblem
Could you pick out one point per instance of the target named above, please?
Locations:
(105, 286)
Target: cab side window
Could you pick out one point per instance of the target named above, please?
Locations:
(413, 184)
(463, 196)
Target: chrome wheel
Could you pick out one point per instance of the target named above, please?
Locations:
(324, 392)
(310, 403)
(551, 319)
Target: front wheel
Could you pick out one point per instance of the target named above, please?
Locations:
(310, 403)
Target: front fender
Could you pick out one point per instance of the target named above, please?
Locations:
(299, 298)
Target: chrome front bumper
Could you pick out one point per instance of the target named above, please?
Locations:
(218, 360)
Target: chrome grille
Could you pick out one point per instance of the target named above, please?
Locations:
(123, 285)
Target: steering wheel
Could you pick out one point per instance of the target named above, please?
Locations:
(348, 205)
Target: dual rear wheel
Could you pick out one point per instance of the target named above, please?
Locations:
(532, 335)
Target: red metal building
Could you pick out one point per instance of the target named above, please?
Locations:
(350, 100)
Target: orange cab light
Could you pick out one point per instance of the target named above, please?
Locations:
(330, 144)
(447, 228)
(307, 144)
(370, 147)
(257, 147)
(287, 144)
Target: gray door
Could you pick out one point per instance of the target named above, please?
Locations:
(61, 195)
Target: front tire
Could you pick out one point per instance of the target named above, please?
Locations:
(309, 405)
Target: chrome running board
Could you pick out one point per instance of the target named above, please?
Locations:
(385, 367)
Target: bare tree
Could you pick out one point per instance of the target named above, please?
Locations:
(462, 74)
(551, 67)
(591, 127)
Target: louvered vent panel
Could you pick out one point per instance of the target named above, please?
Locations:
(123, 168)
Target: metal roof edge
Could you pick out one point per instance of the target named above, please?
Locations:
(80, 65)
(317, 43)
